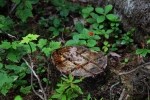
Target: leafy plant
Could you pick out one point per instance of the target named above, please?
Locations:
(24, 8)
(144, 51)
(67, 88)
(18, 97)
(86, 38)
(65, 7)
(6, 24)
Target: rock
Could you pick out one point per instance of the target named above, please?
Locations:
(79, 61)
(134, 14)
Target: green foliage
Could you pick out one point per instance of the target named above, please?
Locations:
(29, 38)
(65, 7)
(86, 38)
(5, 23)
(68, 88)
(25, 90)
(144, 51)
(24, 9)
(53, 24)
(18, 97)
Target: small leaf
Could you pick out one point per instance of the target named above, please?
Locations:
(99, 10)
(91, 20)
(23, 14)
(25, 90)
(112, 17)
(87, 10)
(18, 97)
(94, 15)
(91, 43)
(108, 8)
(42, 43)
(79, 26)
(29, 38)
(100, 19)
(5, 45)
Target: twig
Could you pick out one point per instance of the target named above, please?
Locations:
(111, 88)
(31, 66)
(140, 66)
(122, 95)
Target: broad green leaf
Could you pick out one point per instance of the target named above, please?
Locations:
(63, 97)
(71, 43)
(28, 4)
(54, 45)
(91, 43)
(82, 42)
(95, 26)
(23, 14)
(29, 38)
(12, 57)
(25, 90)
(112, 17)
(91, 20)
(87, 10)
(42, 43)
(94, 15)
(108, 8)
(100, 19)
(64, 12)
(47, 51)
(18, 97)
(5, 45)
(79, 26)
(99, 10)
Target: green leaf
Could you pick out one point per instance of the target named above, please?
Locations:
(79, 26)
(100, 19)
(18, 97)
(108, 8)
(42, 43)
(71, 43)
(12, 57)
(112, 17)
(94, 15)
(29, 38)
(99, 10)
(56, 22)
(91, 20)
(54, 45)
(5, 45)
(87, 10)
(64, 12)
(91, 43)
(23, 14)
(63, 97)
(25, 90)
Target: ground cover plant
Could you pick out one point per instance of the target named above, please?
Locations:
(31, 30)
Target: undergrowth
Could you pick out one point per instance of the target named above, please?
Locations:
(30, 34)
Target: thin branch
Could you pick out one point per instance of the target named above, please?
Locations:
(111, 88)
(44, 97)
(140, 66)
